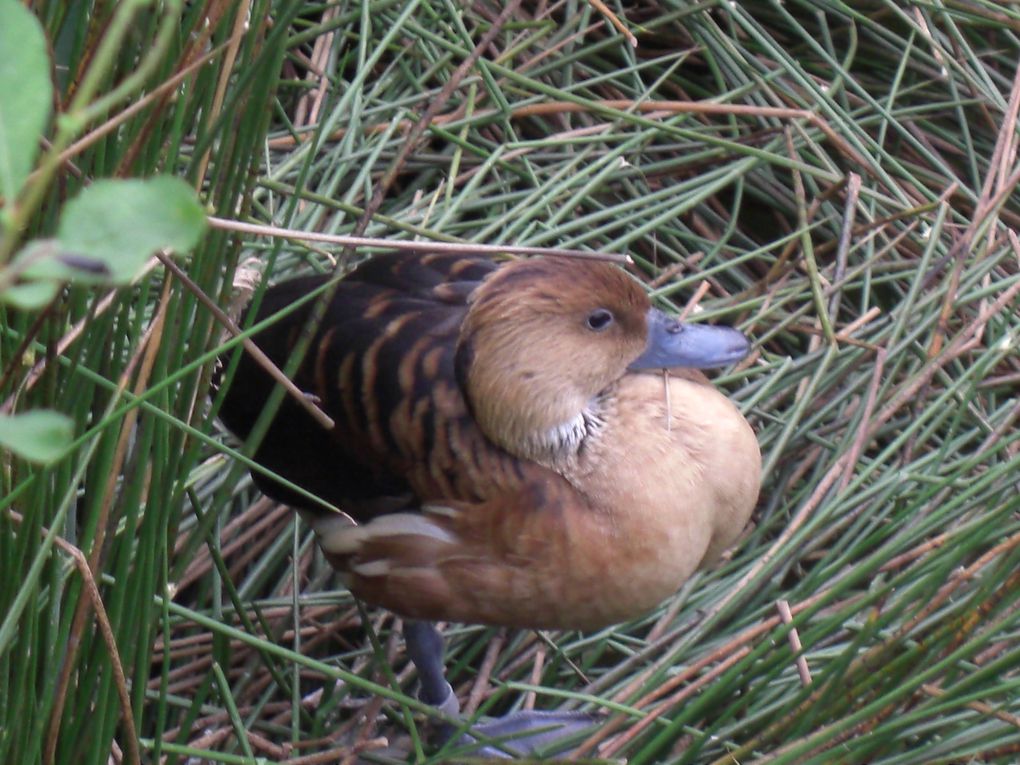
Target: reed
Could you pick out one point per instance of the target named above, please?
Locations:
(838, 180)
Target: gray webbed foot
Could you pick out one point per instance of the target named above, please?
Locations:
(520, 734)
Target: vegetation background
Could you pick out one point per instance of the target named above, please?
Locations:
(839, 180)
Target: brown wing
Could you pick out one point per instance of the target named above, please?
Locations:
(382, 366)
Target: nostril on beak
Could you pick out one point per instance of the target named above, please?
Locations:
(672, 343)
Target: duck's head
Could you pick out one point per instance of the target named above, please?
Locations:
(545, 340)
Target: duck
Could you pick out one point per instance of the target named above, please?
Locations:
(506, 448)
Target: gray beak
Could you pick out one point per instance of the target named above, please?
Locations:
(672, 343)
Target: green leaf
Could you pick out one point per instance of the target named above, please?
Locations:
(41, 436)
(46, 259)
(117, 224)
(31, 295)
(26, 94)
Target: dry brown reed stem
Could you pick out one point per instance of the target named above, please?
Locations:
(808, 258)
(222, 718)
(95, 599)
(369, 714)
(263, 744)
(664, 621)
(573, 39)
(525, 651)
(242, 532)
(534, 678)
(413, 246)
(241, 16)
(933, 690)
(307, 109)
(333, 755)
(602, 8)
(869, 409)
(865, 318)
(211, 739)
(692, 304)
(842, 337)
(481, 682)
(369, 711)
(671, 271)
(853, 191)
(783, 607)
(910, 555)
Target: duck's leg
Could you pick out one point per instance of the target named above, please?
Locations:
(425, 649)
(527, 733)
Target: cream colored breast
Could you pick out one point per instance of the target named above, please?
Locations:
(677, 475)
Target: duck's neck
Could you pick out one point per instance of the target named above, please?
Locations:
(558, 446)
(525, 407)
(550, 432)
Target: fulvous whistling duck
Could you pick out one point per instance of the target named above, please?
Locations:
(501, 453)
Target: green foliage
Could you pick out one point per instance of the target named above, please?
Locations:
(104, 235)
(839, 180)
(25, 94)
(39, 436)
(107, 232)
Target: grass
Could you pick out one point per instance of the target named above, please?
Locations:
(837, 180)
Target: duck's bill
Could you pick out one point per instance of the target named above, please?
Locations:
(672, 343)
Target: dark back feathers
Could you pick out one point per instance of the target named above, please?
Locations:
(381, 364)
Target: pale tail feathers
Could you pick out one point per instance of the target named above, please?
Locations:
(385, 544)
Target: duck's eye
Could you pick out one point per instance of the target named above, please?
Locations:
(599, 320)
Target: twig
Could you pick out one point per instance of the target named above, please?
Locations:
(602, 8)
(481, 683)
(865, 318)
(146, 352)
(933, 690)
(869, 408)
(783, 607)
(335, 754)
(256, 353)
(692, 304)
(414, 246)
(853, 190)
(537, 664)
(226, 74)
(106, 631)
